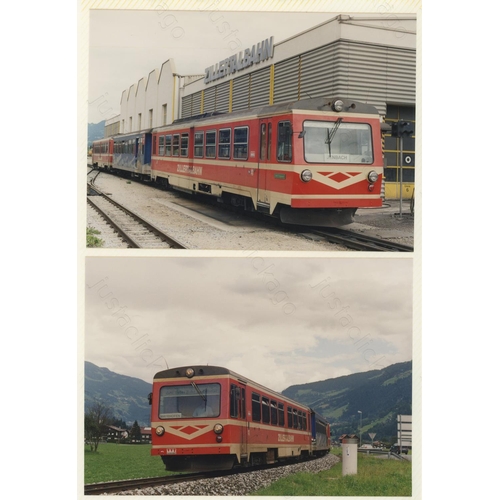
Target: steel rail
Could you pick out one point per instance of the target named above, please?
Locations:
(130, 484)
(358, 241)
(173, 243)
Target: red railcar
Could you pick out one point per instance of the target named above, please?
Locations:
(313, 161)
(210, 418)
(102, 153)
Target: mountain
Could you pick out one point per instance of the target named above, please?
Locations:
(380, 395)
(95, 131)
(126, 396)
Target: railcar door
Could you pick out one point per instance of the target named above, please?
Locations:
(265, 138)
(238, 412)
(136, 152)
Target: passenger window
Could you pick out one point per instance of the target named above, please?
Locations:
(240, 143)
(284, 141)
(224, 143)
(168, 145)
(274, 413)
(198, 144)
(263, 141)
(265, 410)
(184, 144)
(210, 145)
(175, 145)
(255, 407)
(281, 415)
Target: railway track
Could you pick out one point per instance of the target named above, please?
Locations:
(131, 484)
(358, 241)
(136, 231)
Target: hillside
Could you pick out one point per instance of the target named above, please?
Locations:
(126, 396)
(95, 131)
(379, 394)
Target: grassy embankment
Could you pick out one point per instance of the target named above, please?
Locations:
(375, 477)
(113, 462)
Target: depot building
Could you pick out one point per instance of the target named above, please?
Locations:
(367, 58)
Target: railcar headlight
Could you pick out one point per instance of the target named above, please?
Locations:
(218, 428)
(338, 105)
(306, 175)
(189, 372)
(160, 431)
(372, 176)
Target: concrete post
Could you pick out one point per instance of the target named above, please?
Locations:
(350, 454)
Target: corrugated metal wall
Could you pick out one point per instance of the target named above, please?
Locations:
(259, 87)
(366, 72)
(286, 80)
(240, 93)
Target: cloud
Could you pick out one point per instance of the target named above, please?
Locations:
(273, 319)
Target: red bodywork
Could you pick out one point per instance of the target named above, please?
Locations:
(262, 176)
(191, 443)
(102, 153)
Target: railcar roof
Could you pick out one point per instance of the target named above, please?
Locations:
(202, 370)
(312, 104)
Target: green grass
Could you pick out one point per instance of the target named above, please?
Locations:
(375, 477)
(113, 462)
(92, 240)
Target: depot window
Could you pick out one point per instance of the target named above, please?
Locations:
(240, 148)
(284, 141)
(198, 144)
(224, 143)
(189, 401)
(210, 144)
(337, 142)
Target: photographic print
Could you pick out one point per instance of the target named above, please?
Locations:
(249, 282)
(212, 127)
(240, 364)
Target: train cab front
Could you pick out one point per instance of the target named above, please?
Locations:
(187, 421)
(338, 164)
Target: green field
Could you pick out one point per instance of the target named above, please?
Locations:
(375, 477)
(113, 462)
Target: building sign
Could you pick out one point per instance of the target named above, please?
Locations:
(244, 59)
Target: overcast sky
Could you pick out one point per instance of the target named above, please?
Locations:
(125, 46)
(278, 321)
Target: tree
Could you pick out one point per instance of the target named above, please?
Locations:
(97, 418)
(135, 433)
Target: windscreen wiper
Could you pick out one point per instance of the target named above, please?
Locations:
(330, 134)
(202, 396)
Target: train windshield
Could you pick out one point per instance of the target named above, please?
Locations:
(190, 401)
(337, 142)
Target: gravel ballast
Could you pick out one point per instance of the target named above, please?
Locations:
(238, 484)
(185, 219)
